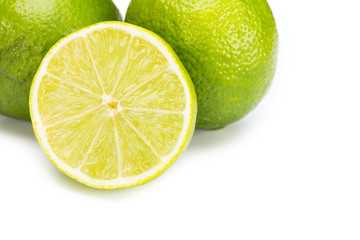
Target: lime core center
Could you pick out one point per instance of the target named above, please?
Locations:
(113, 105)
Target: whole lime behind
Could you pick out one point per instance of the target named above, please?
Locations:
(28, 28)
(229, 48)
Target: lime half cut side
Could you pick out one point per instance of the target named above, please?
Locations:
(112, 106)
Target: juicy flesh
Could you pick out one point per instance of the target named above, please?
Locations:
(111, 105)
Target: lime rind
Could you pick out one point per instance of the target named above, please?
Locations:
(189, 113)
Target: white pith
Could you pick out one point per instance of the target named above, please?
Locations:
(76, 173)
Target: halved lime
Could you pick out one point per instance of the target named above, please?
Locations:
(112, 106)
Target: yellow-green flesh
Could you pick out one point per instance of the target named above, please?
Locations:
(111, 106)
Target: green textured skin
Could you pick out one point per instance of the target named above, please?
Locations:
(28, 28)
(229, 48)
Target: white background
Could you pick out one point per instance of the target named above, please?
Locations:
(289, 170)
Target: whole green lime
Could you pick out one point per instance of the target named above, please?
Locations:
(28, 28)
(229, 48)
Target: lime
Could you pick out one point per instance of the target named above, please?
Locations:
(28, 28)
(112, 106)
(229, 48)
